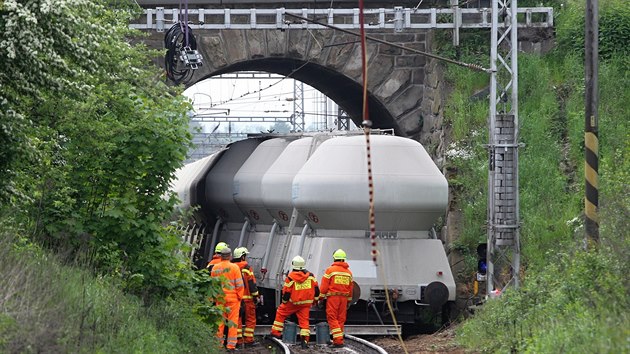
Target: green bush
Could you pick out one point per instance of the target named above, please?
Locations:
(576, 304)
(570, 300)
(49, 307)
(614, 28)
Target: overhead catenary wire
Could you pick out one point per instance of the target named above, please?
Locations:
(247, 99)
(475, 67)
(268, 87)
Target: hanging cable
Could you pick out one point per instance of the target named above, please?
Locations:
(181, 58)
(367, 125)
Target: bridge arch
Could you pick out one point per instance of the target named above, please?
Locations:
(346, 92)
(330, 62)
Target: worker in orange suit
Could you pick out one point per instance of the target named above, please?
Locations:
(216, 258)
(299, 293)
(337, 290)
(233, 289)
(250, 298)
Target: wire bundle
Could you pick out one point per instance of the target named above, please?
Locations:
(178, 39)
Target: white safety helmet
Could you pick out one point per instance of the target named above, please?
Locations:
(298, 263)
(240, 251)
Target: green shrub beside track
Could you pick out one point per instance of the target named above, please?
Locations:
(571, 301)
(90, 137)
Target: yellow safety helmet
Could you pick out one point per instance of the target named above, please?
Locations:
(339, 255)
(240, 251)
(220, 246)
(298, 263)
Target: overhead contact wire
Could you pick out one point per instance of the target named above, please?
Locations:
(430, 55)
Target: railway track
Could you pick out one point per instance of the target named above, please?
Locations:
(352, 345)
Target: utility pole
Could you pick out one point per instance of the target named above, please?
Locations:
(503, 248)
(591, 125)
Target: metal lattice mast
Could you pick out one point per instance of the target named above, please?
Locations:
(343, 120)
(298, 106)
(503, 251)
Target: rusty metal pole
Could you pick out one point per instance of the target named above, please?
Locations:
(591, 126)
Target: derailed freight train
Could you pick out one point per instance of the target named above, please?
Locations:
(307, 194)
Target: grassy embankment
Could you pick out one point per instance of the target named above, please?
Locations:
(571, 300)
(48, 307)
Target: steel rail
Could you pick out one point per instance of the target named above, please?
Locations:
(282, 346)
(366, 343)
(352, 345)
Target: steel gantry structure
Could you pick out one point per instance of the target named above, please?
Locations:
(503, 246)
(502, 19)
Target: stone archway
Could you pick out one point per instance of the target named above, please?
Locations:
(403, 91)
(347, 93)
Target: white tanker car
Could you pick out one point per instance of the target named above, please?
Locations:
(307, 194)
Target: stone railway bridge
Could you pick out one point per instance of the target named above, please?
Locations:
(405, 89)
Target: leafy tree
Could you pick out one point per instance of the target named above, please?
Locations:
(93, 136)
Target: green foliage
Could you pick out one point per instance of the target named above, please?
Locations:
(577, 303)
(615, 154)
(571, 300)
(614, 28)
(474, 44)
(91, 137)
(99, 142)
(49, 307)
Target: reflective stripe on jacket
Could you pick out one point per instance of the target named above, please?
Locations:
(234, 286)
(300, 288)
(251, 289)
(337, 281)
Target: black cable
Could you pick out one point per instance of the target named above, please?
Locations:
(175, 41)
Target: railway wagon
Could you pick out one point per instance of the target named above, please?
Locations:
(282, 195)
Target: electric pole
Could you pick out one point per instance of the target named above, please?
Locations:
(591, 125)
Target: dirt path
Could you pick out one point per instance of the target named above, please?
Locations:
(439, 342)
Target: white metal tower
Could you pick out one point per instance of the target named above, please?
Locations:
(503, 253)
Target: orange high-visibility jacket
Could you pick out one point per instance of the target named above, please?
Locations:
(337, 280)
(215, 259)
(234, 287)
(300, 288)
(251, 289)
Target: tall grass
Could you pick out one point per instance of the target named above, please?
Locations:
(46, 306)
(571, 301)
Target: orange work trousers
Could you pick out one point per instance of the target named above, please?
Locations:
(249, 320)
(287, 309)
(230, 317)
(336, 310)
